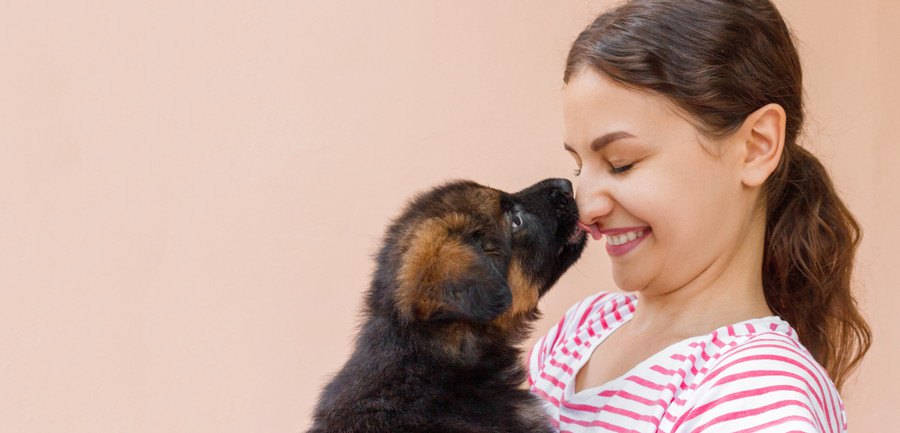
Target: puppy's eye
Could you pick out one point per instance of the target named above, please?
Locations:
(515, 220)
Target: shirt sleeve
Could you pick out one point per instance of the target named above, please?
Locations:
(768, 384)
(557, 334)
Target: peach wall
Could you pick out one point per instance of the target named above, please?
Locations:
(191, 192)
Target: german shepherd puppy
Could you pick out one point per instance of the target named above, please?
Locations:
(456, 285)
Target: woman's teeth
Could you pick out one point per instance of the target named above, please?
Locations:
(624, 237)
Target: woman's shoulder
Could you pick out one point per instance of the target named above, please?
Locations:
(603, 307)
(593, 313)
(759, 345)
(759, 369)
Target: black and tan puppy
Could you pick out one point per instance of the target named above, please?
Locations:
(457, 284)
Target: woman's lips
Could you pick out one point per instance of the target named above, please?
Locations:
(592, 229)
(615, 250)
(618, 250)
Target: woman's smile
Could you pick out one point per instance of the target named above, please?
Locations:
(617, 245)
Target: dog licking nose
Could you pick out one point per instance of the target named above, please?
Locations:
(456, 285)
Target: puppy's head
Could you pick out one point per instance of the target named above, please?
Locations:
(467, 253)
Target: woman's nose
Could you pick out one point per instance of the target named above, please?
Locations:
(594, 203)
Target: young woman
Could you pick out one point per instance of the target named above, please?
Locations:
(731, 246)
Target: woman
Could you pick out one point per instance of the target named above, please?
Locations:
(731, 246)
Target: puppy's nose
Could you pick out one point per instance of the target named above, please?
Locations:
(561, 189)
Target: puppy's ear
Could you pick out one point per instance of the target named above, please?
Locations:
(445, 275)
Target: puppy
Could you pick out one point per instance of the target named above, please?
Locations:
(456, 285)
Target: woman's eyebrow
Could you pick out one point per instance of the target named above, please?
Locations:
(603, 140)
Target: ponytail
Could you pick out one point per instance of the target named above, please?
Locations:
(811, 241)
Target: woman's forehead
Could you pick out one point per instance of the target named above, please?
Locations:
(592, 131)
(596, 107)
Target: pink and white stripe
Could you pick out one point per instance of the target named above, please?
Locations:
(752, 376)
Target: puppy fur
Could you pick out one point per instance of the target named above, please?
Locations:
(456, 285)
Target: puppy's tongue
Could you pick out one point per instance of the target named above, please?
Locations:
(592, 229)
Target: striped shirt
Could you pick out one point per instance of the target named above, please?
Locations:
(752, 376)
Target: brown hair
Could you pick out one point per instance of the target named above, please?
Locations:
(719, 61)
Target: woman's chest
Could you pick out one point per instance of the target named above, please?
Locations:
(618, 354)
(634, 384)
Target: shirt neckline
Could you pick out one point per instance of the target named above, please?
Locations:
(569, 393)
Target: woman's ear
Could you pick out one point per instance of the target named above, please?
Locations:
(763, 143)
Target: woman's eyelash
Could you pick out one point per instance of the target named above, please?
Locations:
(612, 170)
(621, 169)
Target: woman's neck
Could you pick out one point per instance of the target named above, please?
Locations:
(728, 291)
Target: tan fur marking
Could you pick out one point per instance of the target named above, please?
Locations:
(524, 299)
(433, 256)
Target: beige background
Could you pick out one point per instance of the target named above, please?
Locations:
(191, 192)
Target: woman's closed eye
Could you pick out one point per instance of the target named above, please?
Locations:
(620, 170)
(612, 170)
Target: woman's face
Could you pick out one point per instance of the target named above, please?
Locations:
(643, 169)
